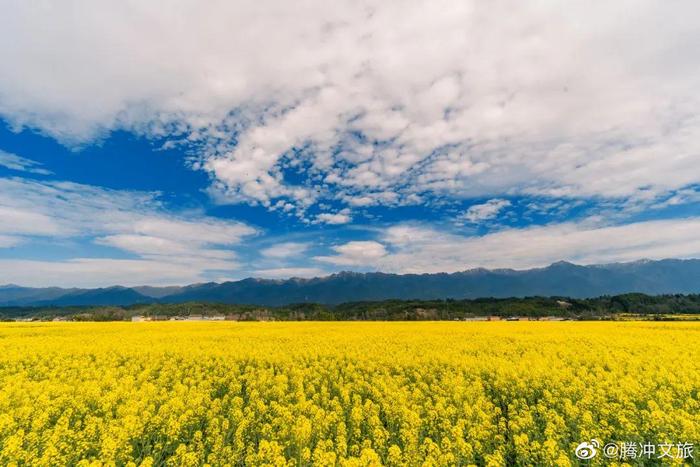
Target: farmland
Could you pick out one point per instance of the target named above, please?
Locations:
(340, 393)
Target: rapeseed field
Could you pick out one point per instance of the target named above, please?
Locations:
(345, 394)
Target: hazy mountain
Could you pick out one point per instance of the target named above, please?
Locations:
(18, 296)
(562, 278)
(78, 297)
(157, 292)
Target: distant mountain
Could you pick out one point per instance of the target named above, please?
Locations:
(157, 292)
(16, 295)
(106, 296)
(54, 296)
(558, 279)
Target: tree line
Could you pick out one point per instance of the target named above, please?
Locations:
(405, 310)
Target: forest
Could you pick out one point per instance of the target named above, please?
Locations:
(604, 307)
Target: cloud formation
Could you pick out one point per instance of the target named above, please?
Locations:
(356, 253)
(285, 250)
(420, 248)
(374, 103)
(21, 164)
(334, 218)
(7, 241)
(132, 222)
(488, 210)
(96, 272)
(340, 113)
(286, 273)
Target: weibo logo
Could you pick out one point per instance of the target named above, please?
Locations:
(587, 450)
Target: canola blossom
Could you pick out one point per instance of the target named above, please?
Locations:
(343, 394)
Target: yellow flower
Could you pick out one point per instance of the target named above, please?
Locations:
(353, 394)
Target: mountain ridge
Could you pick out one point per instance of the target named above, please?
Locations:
(558, 279)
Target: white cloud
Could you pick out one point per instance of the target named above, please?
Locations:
(69, 209)
(7, 241)
(200, 231)
(285, 273)
(134, 222)
(72, 209)
(387, 102)
(15, 162)
(157, 246)
(337, 218)
(680, 197)
(285, 250)
(91, 272)
(26, 222)
(356, 253)
(419, 249)
(488, 210)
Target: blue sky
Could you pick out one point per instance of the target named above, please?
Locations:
(149, 145)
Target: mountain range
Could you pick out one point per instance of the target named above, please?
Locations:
(669, 276)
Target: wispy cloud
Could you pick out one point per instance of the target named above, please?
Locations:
(333, 218)
(285, 250)
(133, 222)
(285, 273)
(97, 272)
(486, 211)
(421, 248)
(21, 164)
(7, 241)
(356, 253)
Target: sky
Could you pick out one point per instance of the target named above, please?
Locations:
(179, 142)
